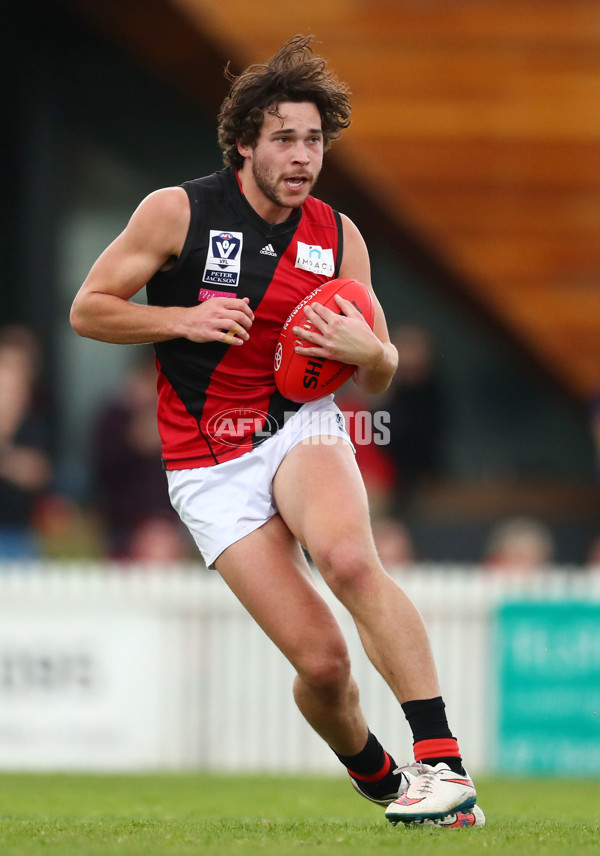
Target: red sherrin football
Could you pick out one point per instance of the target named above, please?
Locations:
(302, 378)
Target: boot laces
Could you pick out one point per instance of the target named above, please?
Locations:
(425, 774)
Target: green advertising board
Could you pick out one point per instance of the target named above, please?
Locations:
(549, 687)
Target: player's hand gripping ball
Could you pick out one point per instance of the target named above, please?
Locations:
(301, 378)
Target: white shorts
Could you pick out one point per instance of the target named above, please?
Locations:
(223, 503)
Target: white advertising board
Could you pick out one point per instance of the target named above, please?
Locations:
(80, 689)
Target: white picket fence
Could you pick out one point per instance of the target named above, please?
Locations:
(126, 668)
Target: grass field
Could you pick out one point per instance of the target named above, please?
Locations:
(196, 814)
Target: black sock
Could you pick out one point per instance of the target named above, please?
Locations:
(373, 769)
(433, 740)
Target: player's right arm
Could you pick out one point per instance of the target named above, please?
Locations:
(151, 241)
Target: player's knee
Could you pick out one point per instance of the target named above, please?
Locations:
(349, 568)
(328, 674)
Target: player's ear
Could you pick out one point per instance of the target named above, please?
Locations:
(243, 148)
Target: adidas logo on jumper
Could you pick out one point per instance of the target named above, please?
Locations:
(268, 251)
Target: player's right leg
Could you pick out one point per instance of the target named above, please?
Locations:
(229, 510)
(268, 573)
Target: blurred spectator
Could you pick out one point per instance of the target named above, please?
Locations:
(394, 543)
(66, 531)
(128, 480)
(161, 539)
(25, 464)
(520, 544)
(414, 403)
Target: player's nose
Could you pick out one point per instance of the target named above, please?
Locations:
(301, 153)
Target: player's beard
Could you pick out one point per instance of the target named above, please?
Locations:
(268, 184)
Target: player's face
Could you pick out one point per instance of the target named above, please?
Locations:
(281, 169)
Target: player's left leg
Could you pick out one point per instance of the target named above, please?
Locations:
(319, 492)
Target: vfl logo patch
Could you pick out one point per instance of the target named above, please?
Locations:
(315, 259)
(223, 258)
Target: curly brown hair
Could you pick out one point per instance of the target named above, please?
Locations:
(294, 74)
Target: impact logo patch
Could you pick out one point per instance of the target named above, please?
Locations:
(315, 259)
(223, 258)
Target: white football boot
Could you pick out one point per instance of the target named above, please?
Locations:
(434, 794)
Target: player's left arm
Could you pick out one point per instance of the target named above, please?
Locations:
(348, 337)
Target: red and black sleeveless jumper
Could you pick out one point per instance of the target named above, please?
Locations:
(230, 250)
